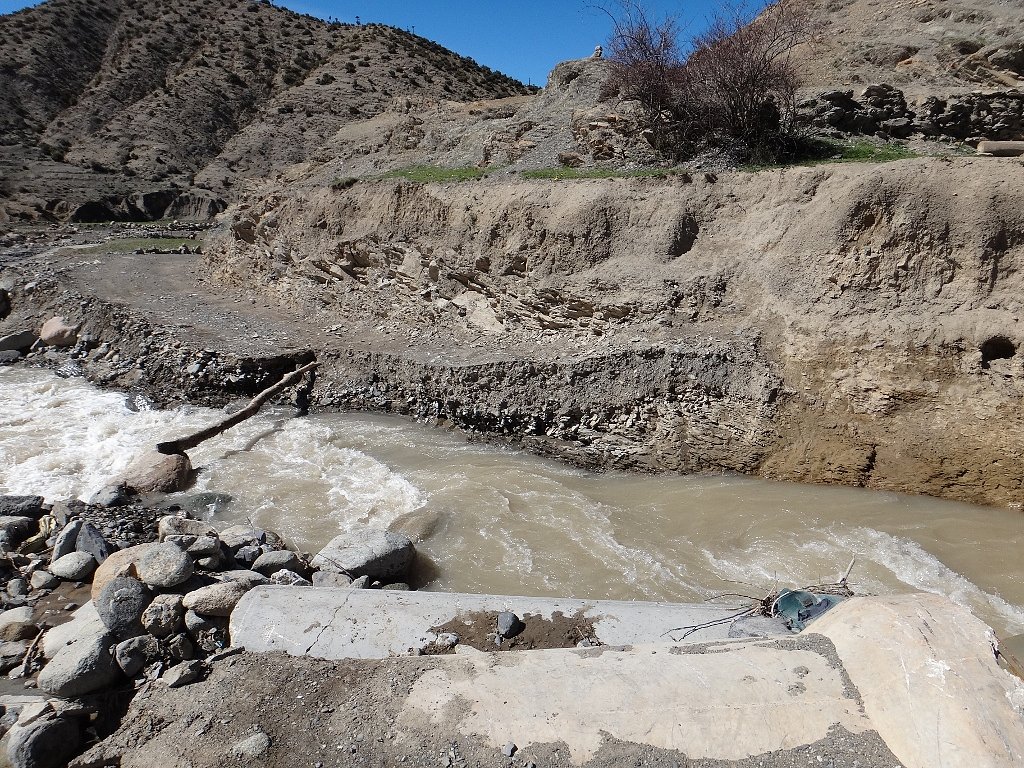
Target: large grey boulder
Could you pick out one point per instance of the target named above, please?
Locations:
(237, 536)
(135, 653)
(76, 566)
(165, 566)
(17, 624)
(67, 540)
(270, 563)
(90, 540)
(17, 528)
(172, 525)
(121, 605)
(49, 741)
(155, 472)
(383, 555)
(13, 342)
(216, 599)
(22, 506)
(82, 667)
(163, 616)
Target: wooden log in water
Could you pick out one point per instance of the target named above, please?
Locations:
(191, 441)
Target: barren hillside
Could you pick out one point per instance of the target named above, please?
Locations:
(924, 47)
(177, 92)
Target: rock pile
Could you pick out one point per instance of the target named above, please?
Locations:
(159, 608)
(883, 109)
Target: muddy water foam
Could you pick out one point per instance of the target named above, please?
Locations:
(508, 523)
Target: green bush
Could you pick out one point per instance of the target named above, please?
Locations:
(344, 182)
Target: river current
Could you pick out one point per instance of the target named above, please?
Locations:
(504, 522)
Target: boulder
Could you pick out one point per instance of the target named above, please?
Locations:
(180, 647)
(288, 578)
(112, 496)
(253, 747)
(22, 506)
(250, 578)
(17, 624)
(270, 563)
(121, 605)
(330, 579)
(165, 566)
(379, 554)
(155, 472)
(237, 536)
(43, 580)
(163, 616)
(77, 566)
(67, 540)
(17, 528)
(204, 546)
(17, 587)
(91, 540)
(186, 673)
(135, 653)
(121, 563)
(57, 332)
(247, 555)
(12, 654)
(16, 342)
(82, 667)
(509, 625)
(84, 623)
(172, 525)
(49, 741)
(216, 599)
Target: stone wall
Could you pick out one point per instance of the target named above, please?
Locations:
(883, 109)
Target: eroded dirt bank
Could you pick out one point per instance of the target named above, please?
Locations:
(848, 323)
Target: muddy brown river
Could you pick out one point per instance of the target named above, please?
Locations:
(498, 521)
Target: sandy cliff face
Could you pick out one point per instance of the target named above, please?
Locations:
(853, 324)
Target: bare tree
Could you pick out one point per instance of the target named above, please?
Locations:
(741, 78)
(646, 59)
(737, 82)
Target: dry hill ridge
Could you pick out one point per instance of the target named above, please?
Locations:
(130, 96)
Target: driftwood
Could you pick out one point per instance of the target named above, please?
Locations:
(191, 441)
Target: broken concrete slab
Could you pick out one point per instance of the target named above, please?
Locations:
(729, 701)
(917, 671)
(369, 623)
(930, 680)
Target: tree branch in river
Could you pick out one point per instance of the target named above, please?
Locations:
(191, 441)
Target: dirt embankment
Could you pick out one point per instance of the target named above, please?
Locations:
(849, 323)
(846, 324)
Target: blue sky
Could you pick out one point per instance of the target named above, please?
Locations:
(524, 39)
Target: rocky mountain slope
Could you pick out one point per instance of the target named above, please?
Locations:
(181, 92)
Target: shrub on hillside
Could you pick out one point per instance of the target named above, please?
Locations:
(734, 84)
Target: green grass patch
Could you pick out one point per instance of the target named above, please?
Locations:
(433, 174)
(561, 174)
(870, 152)
(827, 151)
(131, 244)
